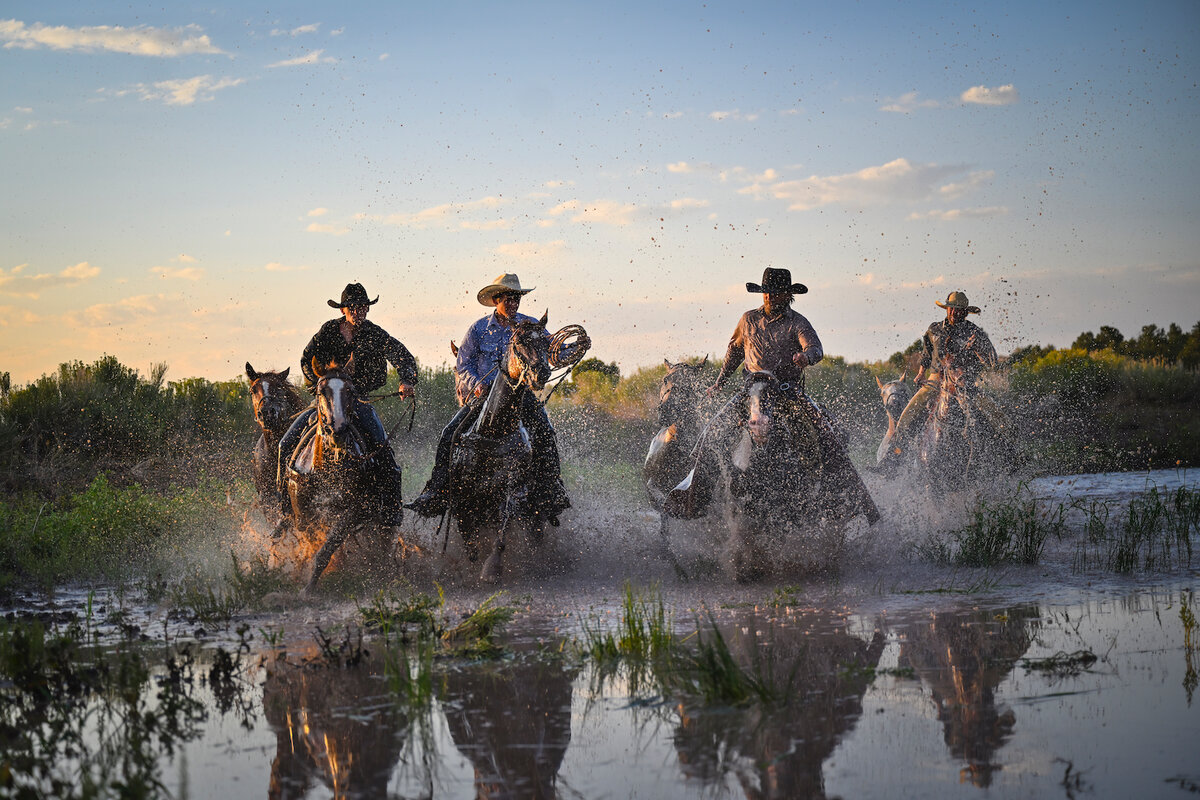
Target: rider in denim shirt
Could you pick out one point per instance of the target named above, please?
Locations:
(478, 362)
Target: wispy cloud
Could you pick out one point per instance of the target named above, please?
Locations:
(141, 40)
(16, 282)
(333, 229)
(1000, 96)
(298, 31)
(680, 167)
(950, 215)
(178, 273)
(452, 215)
(313, 57)
(735, 114)
(973, 182)
(122, 312)
(907, 103)
(181, 91)
(318, 212)
(898, 180)
(531, 251)
(688, 202)
(184, 258)
(275, 266)
(605, 212)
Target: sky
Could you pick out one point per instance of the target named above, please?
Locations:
(189, 183)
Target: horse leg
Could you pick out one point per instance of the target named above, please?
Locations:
(337, 535)
(665, 541)
(493, 567)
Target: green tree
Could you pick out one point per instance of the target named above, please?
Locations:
(610, 372)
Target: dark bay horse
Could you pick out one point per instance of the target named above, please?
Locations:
(330, 477)
(776, 470)
(490, 464)
(679, 398)
(275, 402)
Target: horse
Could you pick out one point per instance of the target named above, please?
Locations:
(679, 397)
(490, 462)
(275, 403)
(895, 396)
(330, 480)
(955, 445)
(774, 466)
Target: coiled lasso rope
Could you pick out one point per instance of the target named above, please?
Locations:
(567, 348)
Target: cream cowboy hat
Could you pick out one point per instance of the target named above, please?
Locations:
(508, 283)
(958, 300)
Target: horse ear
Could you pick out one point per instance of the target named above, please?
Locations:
(705, 361)
(454, 348)
(903, 376)
(668, 363)
(878, 382)
(250, 373)
(283, 375)
(318, 370)
(545, 318)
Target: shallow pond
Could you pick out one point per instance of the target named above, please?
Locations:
(897, 679)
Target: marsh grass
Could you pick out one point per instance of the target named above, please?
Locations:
(1009, 531)
(410, 619)
(81, 719)
(1156, 532)
(476, 634)
(199, 599)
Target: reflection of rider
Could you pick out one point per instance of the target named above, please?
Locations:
(372, 348)
(955, 343)
(479, 358)
(777, 339)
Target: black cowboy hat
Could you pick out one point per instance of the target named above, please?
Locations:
(353, 295)
(775, 281)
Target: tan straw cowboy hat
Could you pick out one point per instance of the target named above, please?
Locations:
(958, 300)
(508, 283)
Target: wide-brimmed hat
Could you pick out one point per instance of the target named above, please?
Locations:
(776, 281)
(958, 300)
(508, 283)
(353, 295)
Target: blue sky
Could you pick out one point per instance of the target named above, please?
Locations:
(190, 184)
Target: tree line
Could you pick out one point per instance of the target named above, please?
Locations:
(1170, 346)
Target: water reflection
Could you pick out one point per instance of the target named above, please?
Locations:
(333, 727)
(777, 750)
(512, 721)
(962, 657)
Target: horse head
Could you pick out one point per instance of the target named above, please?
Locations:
(274, 399)
(764, 394)
(336, 396)
(528, 358)
(680, 392)
(895, 396)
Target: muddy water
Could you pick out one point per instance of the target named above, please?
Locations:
(897, 679)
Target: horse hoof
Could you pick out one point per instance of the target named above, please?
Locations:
(491, 572)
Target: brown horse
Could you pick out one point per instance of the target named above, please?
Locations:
(275, 402)
(330, 478)
(490, 462)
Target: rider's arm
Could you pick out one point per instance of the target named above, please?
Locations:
(402, 360)
(734, 354)
(984, 350)
(810, 343)
(314, 349)
(467, 366)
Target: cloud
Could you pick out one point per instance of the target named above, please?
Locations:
(300, 31)
(16, 283)
(180, 273)
(895, 181)
(530, 251)
(313, 57)
(446, 214)
(721, 116)
(275, 266)
(680, 167)
(318, 212)
(487, 225)
(973, 182)
(907, 103)
(605, 212)
(184, 258)
(950, 215)
(182, 91)
(1000, 96)
(688, 202)
(123, 312)
(326, 227)
(140, 41)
